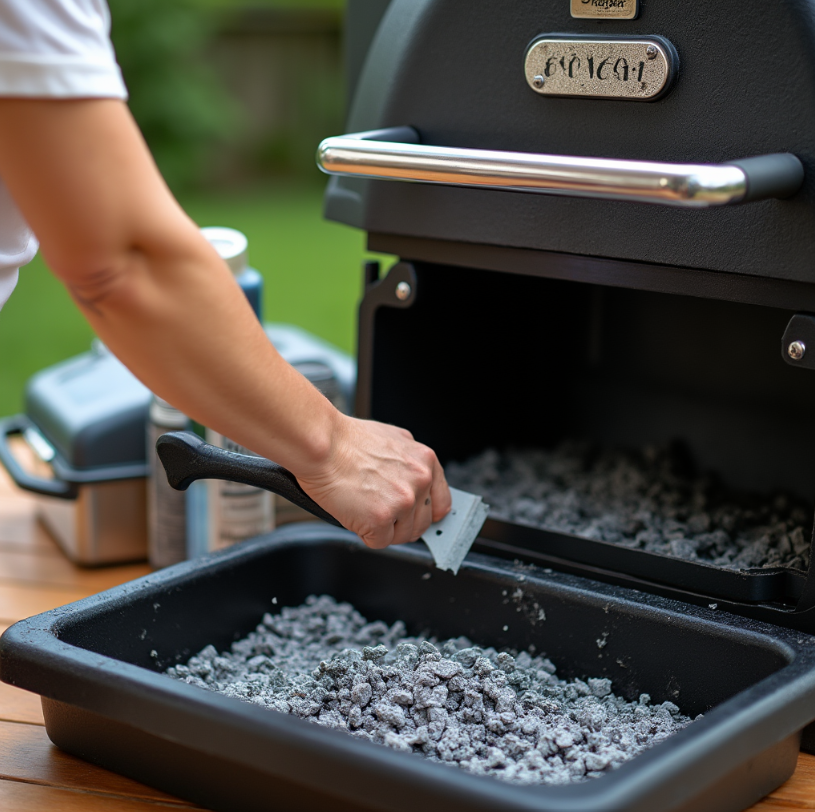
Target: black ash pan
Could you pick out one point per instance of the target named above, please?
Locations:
(777, 585)
(98, 663)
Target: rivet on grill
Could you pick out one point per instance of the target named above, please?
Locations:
(403, 290)
(651, 51)
(539, 81)
(796, 350)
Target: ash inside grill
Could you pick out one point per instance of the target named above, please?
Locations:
(500, 714)
(650, 500)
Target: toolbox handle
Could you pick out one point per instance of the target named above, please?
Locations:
(186, 457)
(20, 424)
(67, 479)
(396, 154)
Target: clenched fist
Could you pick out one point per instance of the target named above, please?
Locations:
(379, 483)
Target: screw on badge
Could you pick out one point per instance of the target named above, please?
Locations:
(796, 350)
(403, 291)
(651, 51)
(539, 81)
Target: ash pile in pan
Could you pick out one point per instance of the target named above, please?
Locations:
(487, 712)
(650, 500)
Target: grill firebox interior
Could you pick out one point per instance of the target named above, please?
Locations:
(488, 359)
(478, 359)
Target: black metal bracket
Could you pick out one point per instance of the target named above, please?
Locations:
(798, 343)
(798, 350)
(396, 289)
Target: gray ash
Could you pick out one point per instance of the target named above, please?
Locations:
(491, 713)
(649, 500)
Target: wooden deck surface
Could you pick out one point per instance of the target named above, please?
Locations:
(36, 776)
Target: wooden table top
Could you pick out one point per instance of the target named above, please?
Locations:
(34, 775)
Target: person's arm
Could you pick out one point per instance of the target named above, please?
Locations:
(160, 297)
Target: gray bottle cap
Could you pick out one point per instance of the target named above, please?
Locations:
(231, 245)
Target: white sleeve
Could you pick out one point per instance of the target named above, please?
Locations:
(58, 49)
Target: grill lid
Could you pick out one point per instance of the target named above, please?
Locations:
(455, 74)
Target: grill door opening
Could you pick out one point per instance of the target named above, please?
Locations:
(484, 360)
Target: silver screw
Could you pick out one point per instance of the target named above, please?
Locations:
(796, 350)
(651, 51)
(539, 81)
(403, 291)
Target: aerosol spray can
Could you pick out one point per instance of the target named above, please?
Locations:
(166, 507)
(223, 513)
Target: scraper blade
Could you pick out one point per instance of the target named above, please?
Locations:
(450, 539)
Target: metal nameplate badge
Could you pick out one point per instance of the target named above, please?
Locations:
(633, 68)
(606, 9)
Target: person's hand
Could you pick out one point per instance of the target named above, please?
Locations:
(379, 483)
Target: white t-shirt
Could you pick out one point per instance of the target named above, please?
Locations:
(49, 49)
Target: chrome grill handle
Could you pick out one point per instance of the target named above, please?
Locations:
(396, 154)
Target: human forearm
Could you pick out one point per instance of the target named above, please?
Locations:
(368, 475)
(199, 346)
(158, 294)
(147, 281)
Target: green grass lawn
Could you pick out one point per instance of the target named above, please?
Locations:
(311, 269)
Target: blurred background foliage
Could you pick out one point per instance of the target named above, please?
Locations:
(226, 91)
(233, 97)
(178, 99)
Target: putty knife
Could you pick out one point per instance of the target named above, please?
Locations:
(186, 457)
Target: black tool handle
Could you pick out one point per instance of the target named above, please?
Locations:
(186, 457)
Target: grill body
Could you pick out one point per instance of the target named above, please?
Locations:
(745, 86)
(538, 317)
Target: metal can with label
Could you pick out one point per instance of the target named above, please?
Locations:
(235, 512)
(166, 507)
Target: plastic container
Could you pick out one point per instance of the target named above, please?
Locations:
(97, 664)
(85, 420)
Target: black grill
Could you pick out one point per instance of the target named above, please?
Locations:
(538, 317)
